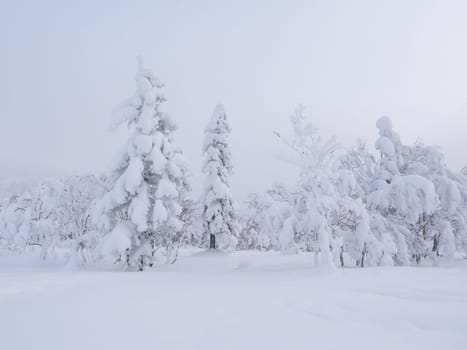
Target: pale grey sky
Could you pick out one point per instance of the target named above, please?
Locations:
(64, 65)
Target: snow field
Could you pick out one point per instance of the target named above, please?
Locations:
(247, 300)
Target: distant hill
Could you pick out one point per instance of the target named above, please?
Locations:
(17, 178)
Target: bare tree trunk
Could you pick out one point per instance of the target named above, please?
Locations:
(362, 263)
(212, 241)
(436, 245)
(341, 256)
(127, 253)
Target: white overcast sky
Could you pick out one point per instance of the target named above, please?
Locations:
(64, 65)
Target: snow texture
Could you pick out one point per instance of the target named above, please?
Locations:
(246, 300)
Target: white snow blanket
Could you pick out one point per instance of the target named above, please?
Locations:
(247, 300)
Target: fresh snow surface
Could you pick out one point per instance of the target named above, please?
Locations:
(246, 300)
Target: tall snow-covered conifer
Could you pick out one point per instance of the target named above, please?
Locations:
(219, 210)
(145, 205)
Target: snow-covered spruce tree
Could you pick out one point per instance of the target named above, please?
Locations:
(219, 214)
(145, 208)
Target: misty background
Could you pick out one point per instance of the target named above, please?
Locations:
(65, 65)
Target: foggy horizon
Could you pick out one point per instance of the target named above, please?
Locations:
(65, 68)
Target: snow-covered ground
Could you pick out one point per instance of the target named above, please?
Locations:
(242, 301)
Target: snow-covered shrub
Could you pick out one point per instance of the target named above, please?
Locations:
(419, 197)
(266, 222)
(54, 216)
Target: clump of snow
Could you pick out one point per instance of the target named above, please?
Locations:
(116, 241)
(384, 124)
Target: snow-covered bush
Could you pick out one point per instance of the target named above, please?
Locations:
(419, 198)
(266, 221)
(54, 217)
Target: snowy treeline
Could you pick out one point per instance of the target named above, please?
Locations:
(400, 205)
(54, 218)
(352, 208)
